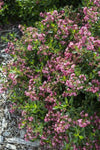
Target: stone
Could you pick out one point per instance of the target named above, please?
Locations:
(21, 141)
(1, 115)
(22, 134)
(11, 147)
(1, 148)
(4, 123)
(4, 97)
(0, 130)
(1, 139)
(6, 113)
(6, 134)
(3, 51)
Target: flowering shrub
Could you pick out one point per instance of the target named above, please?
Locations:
(27, 11)
(54, 79)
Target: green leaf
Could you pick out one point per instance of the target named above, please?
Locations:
(81, 137)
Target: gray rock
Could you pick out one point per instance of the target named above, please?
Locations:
(4, 123)
(22, 134)
(1, 115)
(6, 134)
(6, 113)
(11, 147)
(3, 51)
(4, 96)
(1, 148)
(1, 139)
(1, 103)
(0, 130)
(21, 141)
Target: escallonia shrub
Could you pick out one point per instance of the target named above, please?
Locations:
(54, 79)
(27, 11)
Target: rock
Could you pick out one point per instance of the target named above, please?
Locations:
(4, 123)
(22, 134)
(0, 130)
(5, 31)
(4, 96)
(1, 115)
(1, 147)
(1, 103)
(1, 139)
(6, 134)
(11, 147)
(3, 51)
(21, 141)
(6, 113)
(1, 59)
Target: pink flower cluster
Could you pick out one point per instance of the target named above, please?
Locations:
(13, 78)
(90, 14)
(12, 108)
(58, 128)
(83, 123)
(95, 86)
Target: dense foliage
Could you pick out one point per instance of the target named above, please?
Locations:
(1, 4)
(54, 78)
(27, 11)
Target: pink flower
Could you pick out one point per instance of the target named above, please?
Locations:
(99, 73)
(41, 14)
(85, 10)
(90, 47)
(23, 113)
(86, 115)
(71, 44)
(12, 110)
(79, 120)
(30, 118)
(29, 47)
(55, 12)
